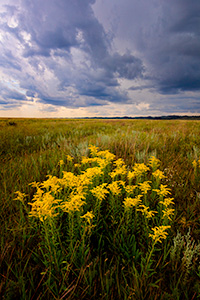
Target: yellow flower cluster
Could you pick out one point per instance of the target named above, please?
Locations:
(44, 205)
(20, 196)
(119, 163)
(196, 163)
(163, 191)
(106, 155)
(74, 203)
(167, 211)
(88, 160)
(69, 158)
(69, 180)
(138, 171)
(89, 216)
(114, 188)
(130, 189)
(120, 169)
(159, 233)
(118, 172)
(144, 186)
(167, 201)
(100, 191)
(90, 174)
(52, 183)
(132, 202)
(61, 162)
(101, 177)
(154, 162)
(93, 150)
(158, 174)
(146, 212)
(71, 189)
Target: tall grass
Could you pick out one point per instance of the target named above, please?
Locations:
(107, 247)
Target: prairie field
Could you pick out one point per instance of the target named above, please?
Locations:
(99, 209)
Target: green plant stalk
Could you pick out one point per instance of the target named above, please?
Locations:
(71, 234)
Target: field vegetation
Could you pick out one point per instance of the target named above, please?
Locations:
(99, 209)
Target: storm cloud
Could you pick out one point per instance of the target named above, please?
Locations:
(84, 53)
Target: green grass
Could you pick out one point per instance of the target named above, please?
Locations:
(49, 260)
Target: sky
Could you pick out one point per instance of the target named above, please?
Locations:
(99, 58)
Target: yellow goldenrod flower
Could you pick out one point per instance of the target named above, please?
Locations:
(107, 155)
(69, 158)
(35, 184)
(158, 174)
(145, 186)
(129, 202)
(114, 188)
(121, 182)
(163, 191)
(194, 163)
(80, 189)
(38, 195)
(146, 212)
(154, 162)
(84, 180)
(159, 233)
(69, 180)
(85, 160)
(89, 160)
(88, 217)
(44, 206)
(52, 182)
(20, 196)
(119, 163)
(199, 163)
(93, 150)
(74, 203)
(61, 162)
(100, 192)
(131, 175)
(139, 170)
(102, 162)
(77, 165)
(167, 201)
(89, 174)
(119, 171)
(130, 189)
(168, 213)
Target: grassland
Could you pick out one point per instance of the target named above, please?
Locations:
(113, 253)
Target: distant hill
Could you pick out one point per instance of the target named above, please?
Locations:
(170, 117)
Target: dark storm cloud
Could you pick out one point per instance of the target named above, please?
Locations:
(166, 34)
(173, 50)
(56, 24)
(51, 29)
(126, 66)
(140, 88)
(14, 95)
(30, 93)
(64, 53)
(103, 92)
(10, 98)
